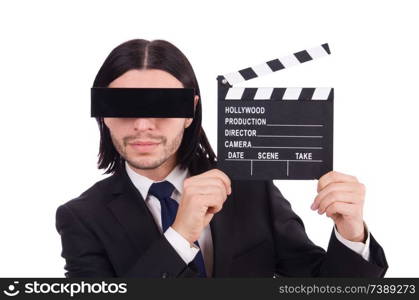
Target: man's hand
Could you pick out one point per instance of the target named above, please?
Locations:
(341, 197)
(202, 197)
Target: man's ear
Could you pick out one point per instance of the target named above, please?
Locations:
(190, 120)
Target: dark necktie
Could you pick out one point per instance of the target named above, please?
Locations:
(163, 191)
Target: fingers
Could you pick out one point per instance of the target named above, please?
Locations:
(215, 173)
(206, 186)
(341, 197)
(334, 176)
(333, 197)
(210, 177)
(341, 208)
(334, 189)
(339, 193)
(210, 198)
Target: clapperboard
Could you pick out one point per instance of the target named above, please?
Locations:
(275, 132)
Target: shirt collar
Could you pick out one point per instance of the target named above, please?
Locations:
(143, 183)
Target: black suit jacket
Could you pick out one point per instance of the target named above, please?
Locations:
(108, 231)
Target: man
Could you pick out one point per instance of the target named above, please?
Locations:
(167, 211)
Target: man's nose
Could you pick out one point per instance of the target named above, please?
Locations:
(142, 124)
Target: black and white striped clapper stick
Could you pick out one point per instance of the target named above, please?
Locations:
(264, 140)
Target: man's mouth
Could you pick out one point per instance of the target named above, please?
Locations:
(140, 143)
(144, 146)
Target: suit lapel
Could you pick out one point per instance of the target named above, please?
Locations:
(129, 207)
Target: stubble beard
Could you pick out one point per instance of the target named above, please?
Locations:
(147, 163)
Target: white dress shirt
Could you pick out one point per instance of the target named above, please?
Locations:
(187, 251)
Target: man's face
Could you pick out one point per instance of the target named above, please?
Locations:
(147, 143)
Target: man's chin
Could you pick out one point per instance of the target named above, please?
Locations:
(145, 165)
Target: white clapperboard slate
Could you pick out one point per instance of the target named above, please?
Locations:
(272, 132)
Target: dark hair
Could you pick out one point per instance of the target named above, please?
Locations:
(194, 152)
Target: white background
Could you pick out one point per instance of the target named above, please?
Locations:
(50, 52)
